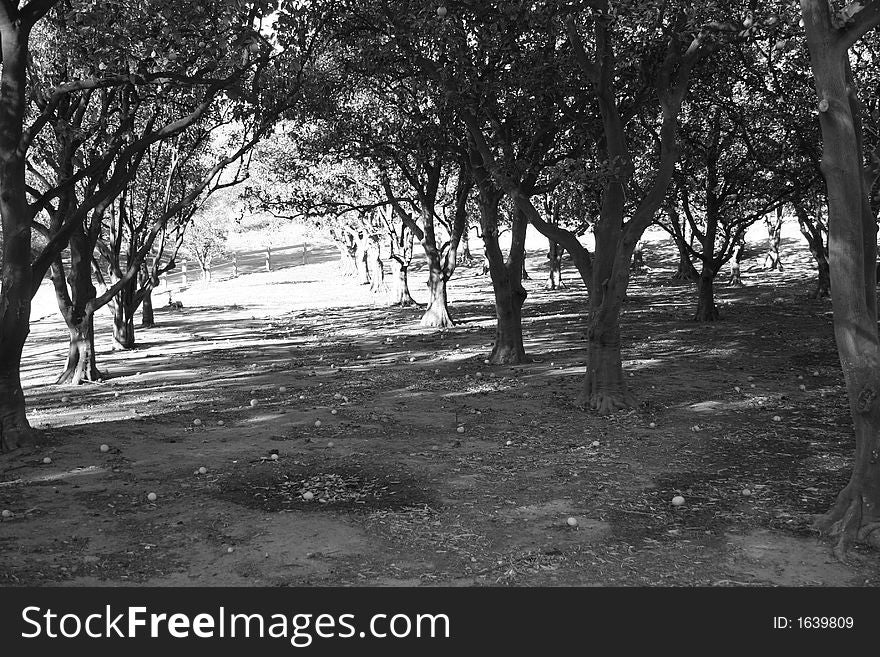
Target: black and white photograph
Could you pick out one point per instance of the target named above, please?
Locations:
(393, 295)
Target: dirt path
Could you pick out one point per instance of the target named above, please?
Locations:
(328, 430)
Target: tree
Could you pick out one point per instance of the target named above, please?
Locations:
(722, 185)
(831, 31)
(235, 66)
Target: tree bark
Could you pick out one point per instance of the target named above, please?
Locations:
(773, 261)
(375, 266)
(123, 317)
(852, 249)
(686, 270)
(465, 257)
(554, 257)
(605, 389)
(148, 318)
(638, 263)
(506, 277)
(735, 279)
(400, 295)
(510, 295)
(437, 313)
(706, 309)
(81, 365)
(77, 309)
(17, 275)
(815, 232)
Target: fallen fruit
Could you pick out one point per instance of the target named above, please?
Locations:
(220, 423)
(7, 513)
(678, 500)
(572, 522)
(460, 429)
(509, 443)
(776, 418)
(746, 492)
(274, 457)
(203, 470)
(105, 448)
(47, 460)
(254, 402)
(317, 423)
(197, 422)
(333, 412)
(308, 496)
(152, 497)
(653, 425)
(282, 389)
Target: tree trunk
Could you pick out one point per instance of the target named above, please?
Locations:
(686, 270)
(15, 430)
(852, 249)
(465, 257)
(268, 258)
(81, 366)
(148, 319)
(706, 310)
(77, 309)
(554, 256)
(508, 348)
(638, 263)
(735, 261)
(347, 260)
(772, 261)
(437, 314)
(360, 261)
(815, 233)
(510, 295)
(17, 276)
(605, 389)
(375, 266)
(123, 318)
(400, 295)
(234, 265)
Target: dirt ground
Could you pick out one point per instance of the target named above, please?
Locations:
(342, 444)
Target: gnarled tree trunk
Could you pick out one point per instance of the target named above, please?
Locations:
(437, 313)
(852, 251)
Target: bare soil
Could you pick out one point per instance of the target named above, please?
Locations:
(339, 460)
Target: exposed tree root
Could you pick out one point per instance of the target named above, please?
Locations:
(846, 522)
(434, 318)
(507, 356)
(75, 376)
(13, 437)
(606, 403)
